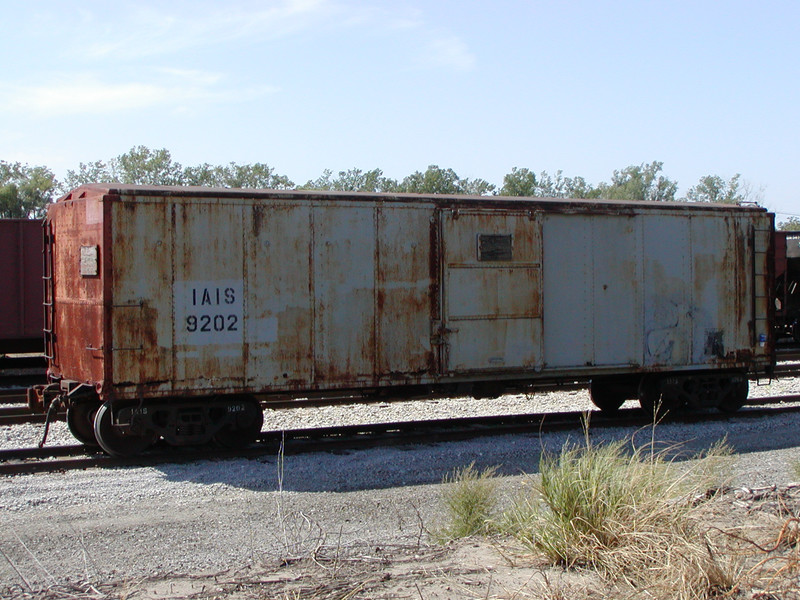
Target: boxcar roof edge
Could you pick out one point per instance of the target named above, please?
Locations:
(442, 200)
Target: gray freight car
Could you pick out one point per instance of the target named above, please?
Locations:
(170, 309)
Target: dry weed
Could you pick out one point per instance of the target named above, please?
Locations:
(470, 498)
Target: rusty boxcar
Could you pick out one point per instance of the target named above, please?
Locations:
(787, 285)
(172, 308)
(21, 293)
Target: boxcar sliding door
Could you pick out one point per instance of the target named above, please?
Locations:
(491, 298)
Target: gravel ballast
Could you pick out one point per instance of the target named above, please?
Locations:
(214, 516)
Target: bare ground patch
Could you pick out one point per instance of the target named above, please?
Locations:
(759, 531)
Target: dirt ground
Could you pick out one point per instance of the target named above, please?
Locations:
(474, 568)
(759, 526)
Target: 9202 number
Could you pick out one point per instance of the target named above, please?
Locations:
(208, 323)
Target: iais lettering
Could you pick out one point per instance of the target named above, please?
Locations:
(213, 296)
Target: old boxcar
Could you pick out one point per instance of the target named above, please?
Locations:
(21, 291)
(171, 309)
(787, 285)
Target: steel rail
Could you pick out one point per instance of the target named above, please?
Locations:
(354, 437)
(792, 353)
(21, 414)
(18, 413)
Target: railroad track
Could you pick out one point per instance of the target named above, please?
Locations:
(15, 365)
(13, 395)
(21, 370)
(787, 369)
(787, 353)
(14, 411)
(21, 414)
(353, 437)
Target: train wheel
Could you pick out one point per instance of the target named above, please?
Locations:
(651, 399)
(246, 427)
(114, 441)
(734, 395)
(80, 420)
(607, 395)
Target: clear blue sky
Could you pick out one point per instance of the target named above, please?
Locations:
(479, 87)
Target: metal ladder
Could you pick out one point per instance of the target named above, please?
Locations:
(48, 291)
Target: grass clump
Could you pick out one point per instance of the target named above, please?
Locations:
(470, 500)
(596, 497)
(630, 514)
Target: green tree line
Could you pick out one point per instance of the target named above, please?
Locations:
(25, 191)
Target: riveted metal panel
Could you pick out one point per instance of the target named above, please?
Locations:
(81, 331)
(141, 307)
(593, 292)
(617, 290)
(279, 333)
(344, 259)
(208, 291)
(405, 293)
(721, 283)
(667, 272)
(514, 292)
(568, 304)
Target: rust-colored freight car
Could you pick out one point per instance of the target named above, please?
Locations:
(173, 307)
(21, 288)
